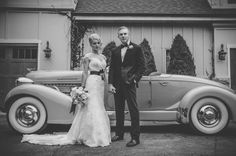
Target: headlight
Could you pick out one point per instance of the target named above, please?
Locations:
(23, 80)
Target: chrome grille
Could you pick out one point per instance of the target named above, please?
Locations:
(62, 87)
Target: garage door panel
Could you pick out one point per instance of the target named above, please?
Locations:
(13, 64)
(3, 67)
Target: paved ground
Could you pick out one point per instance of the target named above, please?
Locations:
(156, 140)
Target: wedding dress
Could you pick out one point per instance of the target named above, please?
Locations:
(91, 124)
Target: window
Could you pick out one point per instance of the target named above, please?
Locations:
(167, 58)
(24, 53)
(231, 1)
(2, 53)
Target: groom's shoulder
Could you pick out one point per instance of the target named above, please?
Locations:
(135, 45)
(115, 49)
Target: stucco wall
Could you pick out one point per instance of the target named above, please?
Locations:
(226, 36)
(65, 4)
(41, 26)
(221, 4)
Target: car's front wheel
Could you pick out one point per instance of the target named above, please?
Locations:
(209, 116)
(27, 115)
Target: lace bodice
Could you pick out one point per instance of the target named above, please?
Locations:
(96, 62)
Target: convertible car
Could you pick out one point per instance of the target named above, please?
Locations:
(42, 97)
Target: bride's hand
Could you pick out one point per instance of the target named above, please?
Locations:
(112, 89)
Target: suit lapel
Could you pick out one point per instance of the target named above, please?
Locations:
(119, 55)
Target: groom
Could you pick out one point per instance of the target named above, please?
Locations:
(126, 69)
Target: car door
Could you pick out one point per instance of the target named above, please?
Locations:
(143, 98)
(166, 92)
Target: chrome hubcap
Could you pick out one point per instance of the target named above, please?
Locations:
(209, 116)
(27, 115)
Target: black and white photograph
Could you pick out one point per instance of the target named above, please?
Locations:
(117, 77)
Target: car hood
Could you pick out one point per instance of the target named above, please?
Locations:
(42, 75)
(192, 79)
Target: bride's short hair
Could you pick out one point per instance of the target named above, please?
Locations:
(94, 36)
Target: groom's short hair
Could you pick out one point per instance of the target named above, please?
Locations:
(122, 27)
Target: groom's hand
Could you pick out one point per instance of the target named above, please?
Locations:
(112, 89)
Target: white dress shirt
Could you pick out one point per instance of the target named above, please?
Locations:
(123, 51)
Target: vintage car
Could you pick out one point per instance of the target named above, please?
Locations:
(42, 97)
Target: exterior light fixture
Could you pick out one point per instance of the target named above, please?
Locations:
(47, 51)
(222, 53)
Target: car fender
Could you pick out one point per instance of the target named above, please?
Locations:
(57, 104)
(191, 97)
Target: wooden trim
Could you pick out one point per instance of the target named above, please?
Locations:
(13, 41)
(24, 41)
(229, 46)
(224, 25)
(58, 4)
(153, 19)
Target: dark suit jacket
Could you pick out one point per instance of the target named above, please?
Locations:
(130, 69)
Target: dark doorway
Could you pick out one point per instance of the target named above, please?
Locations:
(233, 67)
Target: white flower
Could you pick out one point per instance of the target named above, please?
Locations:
(79, 91)
(81, 88)
(130, 47)
(84, 96)
(79, 95)
(73, 92)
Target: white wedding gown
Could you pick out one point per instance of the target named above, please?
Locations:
(91, 124)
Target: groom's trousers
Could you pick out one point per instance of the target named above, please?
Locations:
(127, 92)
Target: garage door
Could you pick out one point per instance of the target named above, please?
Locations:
(15, 61)
(233, 68)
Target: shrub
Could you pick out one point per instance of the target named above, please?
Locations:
(181, 60)
(150, 65)
(107, 51)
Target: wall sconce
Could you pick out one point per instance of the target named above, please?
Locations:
(47, 51)
(222, 53)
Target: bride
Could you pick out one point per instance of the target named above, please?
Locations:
(91, 124)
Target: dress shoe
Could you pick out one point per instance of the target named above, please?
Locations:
(132, 143)
(116, 138)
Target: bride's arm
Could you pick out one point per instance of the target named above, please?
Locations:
(106, 75)
(85, 63)
(105, 70)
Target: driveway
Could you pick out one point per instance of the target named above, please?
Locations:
(156, 140)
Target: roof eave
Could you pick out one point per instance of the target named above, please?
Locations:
(157, 18)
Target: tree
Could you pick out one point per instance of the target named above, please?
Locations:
(78, 30)
(150, 65)
(107, 51)
(181, 60)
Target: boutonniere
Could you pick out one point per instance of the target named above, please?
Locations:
(130, 47)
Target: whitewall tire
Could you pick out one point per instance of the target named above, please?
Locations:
(27, 115)
(209, 116)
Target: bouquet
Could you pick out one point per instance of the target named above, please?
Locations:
(79, 97)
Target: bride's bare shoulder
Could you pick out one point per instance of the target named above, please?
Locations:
(86, 58)
(103, 56)
(87, 55)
